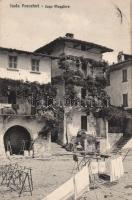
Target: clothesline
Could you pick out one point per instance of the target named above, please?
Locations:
(80, 182)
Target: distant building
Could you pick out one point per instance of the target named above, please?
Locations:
(120, 86)
(120, 81)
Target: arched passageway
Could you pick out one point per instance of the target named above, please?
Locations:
(17, 139)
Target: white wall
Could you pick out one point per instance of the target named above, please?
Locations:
(117, 88)
(74, 124)
(23, 71)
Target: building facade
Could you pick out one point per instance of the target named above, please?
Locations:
(18, 124)
(120, 85)
(47, 64)
(26, 66)
(73, 51)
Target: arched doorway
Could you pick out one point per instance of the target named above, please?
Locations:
(17, 139)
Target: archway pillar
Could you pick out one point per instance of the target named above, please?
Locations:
(2, 148)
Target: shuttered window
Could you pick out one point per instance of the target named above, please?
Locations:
(125, 100)
(13, 62)
(35, 65)
(124, 75)
(84, 122)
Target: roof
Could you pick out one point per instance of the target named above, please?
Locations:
(10, 50)
(127, 56)
(119, 65)
(49, 46)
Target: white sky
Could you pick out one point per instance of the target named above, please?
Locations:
(91, 20)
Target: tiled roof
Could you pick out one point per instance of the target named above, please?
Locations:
(120, 65)
(67, 39)
(24, 52)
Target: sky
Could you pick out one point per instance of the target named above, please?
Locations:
(91, 20)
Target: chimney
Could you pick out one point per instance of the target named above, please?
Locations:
(120, 57)
(69, 35)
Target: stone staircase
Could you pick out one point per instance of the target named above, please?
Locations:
(57, 149)
(120, 144)
(59, 153)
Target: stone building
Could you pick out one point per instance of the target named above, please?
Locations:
(18, 125)
(120, 85)
(73, 51)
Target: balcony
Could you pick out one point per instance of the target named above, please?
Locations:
(15, 109)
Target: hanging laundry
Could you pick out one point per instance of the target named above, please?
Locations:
(64, 192)
(120, 164)
(114, 176)
(101, 167)
(93, 168)
(81, 182)
(116, 170)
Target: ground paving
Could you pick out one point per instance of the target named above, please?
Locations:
(48, 174)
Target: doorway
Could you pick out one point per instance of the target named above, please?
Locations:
(16, 140)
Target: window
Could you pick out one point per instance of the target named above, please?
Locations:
(125, 100)
(84, 122)
(35, 65)
(12, 97)
(124, 75)
(13, 62)
(83, 48)
(83, 93)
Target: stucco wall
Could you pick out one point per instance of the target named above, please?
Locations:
(23, 71)
(33, 126)
(56, 71)
(102, 127)
(74, 124)
(117, 88)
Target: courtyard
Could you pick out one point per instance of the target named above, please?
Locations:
(50, 173)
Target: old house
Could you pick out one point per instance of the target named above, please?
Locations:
(76, 74)
(21, 74)
(120, 86)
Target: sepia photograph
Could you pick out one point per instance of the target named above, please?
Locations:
(65, 99)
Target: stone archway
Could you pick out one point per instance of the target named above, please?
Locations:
(17, 139)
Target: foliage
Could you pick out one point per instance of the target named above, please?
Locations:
(32, 91)
(74, 74)
(114, 113)
(52, 116)
(67, 61)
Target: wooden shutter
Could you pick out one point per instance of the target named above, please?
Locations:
(84, 122)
